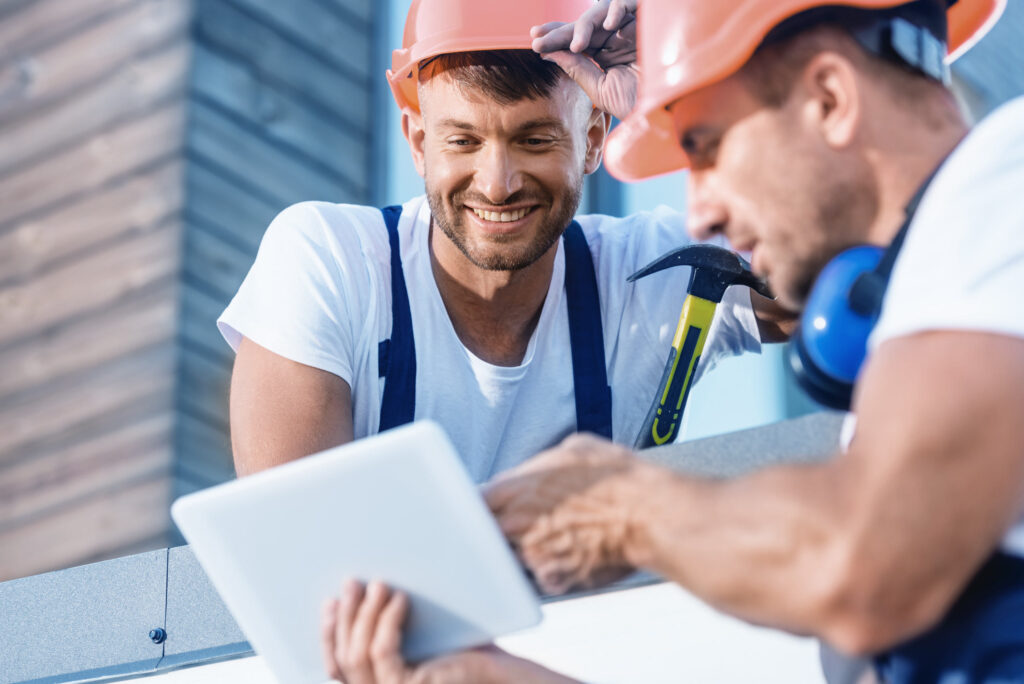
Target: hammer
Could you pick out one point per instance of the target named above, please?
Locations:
(713, 269)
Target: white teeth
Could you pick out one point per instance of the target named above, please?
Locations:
(501, 217)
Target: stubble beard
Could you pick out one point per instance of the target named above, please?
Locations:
(842, 217)
(506, 257)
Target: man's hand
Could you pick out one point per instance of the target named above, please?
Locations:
(567, 511)
(598, 51)
(361, 644)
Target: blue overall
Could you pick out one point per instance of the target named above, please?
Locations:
(981, 638)
(397, 355)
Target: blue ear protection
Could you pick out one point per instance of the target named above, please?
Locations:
(829, 346)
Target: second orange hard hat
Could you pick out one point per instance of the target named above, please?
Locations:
(437, 27)
(685, 45)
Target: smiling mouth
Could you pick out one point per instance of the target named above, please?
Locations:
(502, 216)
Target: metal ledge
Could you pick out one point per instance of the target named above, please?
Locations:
(93, 622)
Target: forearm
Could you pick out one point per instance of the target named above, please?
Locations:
(782, 526)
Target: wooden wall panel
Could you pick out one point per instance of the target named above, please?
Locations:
(223, 26)
(92, 163)
(134, 323)
(34, 23)
(247, 154)
(240, 211)
(84, 57)
(199, 312)
(85, 286)
(147, 145)
(283, 118)
(135, 205)
(343, 39)
(29, 418)
(138, 87)
(93, 528)
(32, 488)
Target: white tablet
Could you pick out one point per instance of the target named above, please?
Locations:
(398, 507)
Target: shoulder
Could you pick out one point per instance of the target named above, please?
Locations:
(634, 240)
(328, 224)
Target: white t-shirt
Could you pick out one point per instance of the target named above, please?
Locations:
(962, 264)
(319, 293)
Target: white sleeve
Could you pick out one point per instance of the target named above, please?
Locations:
(301, 298)
(962, 265)
(734, 328)
(653, 303)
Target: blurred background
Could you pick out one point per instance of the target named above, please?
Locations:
(144, 147)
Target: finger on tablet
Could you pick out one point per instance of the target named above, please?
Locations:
(385, 649)
(363, 627)
(328, 628)
(352, 593)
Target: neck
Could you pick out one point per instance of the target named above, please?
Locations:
(494, 313)
(904, 160)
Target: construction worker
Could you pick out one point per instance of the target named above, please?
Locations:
(824, 139)
(467, 305)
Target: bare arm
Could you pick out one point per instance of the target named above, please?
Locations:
(282, 410)
(864, 551)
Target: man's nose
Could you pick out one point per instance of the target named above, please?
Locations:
(497, 176)
(707, 215)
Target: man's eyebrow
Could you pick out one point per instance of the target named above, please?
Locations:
(455, 123)
(549, 122)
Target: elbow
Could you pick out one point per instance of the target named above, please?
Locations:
(869, 611)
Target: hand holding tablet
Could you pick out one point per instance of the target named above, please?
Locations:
(398, 508)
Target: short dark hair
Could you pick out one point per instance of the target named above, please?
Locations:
(786, 50)
(506, 76)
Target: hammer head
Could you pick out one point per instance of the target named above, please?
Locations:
(713, 270)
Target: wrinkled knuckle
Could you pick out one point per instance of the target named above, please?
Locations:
(381, 649)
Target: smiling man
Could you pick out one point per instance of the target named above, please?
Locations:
(483, 305)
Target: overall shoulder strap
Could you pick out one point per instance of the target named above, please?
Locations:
(590, 377)
(397, 355)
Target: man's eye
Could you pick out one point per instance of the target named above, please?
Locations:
(537, 142)
(699, 151)
(460, 142)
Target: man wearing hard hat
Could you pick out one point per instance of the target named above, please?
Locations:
(823, 138)
(483, 305)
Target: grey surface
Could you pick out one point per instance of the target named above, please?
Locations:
(94, 621)
(87, 621)
(807, 439)
(199, 626)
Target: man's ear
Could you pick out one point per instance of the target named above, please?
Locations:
(412, 129)
(834, 102)
(597, 132)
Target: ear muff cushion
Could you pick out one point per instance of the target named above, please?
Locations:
(823, 389)
(829, 347)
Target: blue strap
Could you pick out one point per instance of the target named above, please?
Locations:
(397, 356)
(980, 639)
(590, 378)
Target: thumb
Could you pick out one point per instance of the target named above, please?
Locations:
(581, 69)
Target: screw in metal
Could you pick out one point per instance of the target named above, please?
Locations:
(158, 635)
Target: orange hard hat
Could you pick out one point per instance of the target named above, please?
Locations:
(685, 45)
(437, 27)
